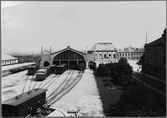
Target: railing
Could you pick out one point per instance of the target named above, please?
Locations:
(161, 97)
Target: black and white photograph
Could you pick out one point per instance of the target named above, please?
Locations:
(83, 59)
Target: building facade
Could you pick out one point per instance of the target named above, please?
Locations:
(130, 53)
(155, 57)
(71, 57)
(104, 52)
(8, 60)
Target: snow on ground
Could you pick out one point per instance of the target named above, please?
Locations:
(83, 97)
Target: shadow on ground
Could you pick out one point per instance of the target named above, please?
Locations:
(109, 96)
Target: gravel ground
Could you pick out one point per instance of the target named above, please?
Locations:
(83, 97)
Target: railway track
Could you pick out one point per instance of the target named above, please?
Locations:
(50, 81)
(66, 87)
(59, 87)
(27, 86)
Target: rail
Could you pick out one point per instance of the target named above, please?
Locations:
(161, 97)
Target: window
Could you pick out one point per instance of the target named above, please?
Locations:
(104, 55)
(22, 107)
(28, 104)
(114, 55)
(38, 99)
(110, 55)
(34, 101)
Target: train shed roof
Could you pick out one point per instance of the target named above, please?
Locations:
(69, 48)
(17, 100)
(7, 57)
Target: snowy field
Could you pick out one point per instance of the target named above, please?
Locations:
(83, 97)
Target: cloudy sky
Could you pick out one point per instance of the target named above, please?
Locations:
(26, 26)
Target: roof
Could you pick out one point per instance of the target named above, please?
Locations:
(104, 47)
(68, 48)
(62, 65)
(23, 97)
(159, 41)
(7, 57)
(131, 49)
(42, 70)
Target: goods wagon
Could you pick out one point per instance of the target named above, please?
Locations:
(18, 69)
(41, 74)
(81, 66)
(53, 68)
(32, 69)
(61, 68)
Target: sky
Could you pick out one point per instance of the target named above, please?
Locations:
(28, 25)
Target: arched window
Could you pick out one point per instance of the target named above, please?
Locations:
(114, 56)
(104, 55)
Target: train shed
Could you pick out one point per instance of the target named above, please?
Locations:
(74, 59)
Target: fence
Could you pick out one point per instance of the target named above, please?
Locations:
(161, 97)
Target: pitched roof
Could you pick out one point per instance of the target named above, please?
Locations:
(7, 57)
(131, 49)
(104, 46)
(68, 48)
(159, 41)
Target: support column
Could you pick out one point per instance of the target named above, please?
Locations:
(68, 65)
(77, 64)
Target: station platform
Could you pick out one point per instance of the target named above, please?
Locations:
(8, 67)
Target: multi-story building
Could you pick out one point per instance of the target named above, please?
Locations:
(130, 53)
(155, 57)
(104, 51)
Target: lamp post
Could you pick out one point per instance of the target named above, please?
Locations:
(94, 52)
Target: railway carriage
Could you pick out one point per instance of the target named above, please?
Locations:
(41, 74)
(32, 69)
(53, 68)
(24, 104)
(81, 66)
(61, 68)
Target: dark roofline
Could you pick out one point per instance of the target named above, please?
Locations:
(104, 43)
(158, 41)
(68, 48)
(19, 99)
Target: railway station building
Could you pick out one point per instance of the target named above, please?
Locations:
(102, 52)
(8, 60)
(71, 57)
